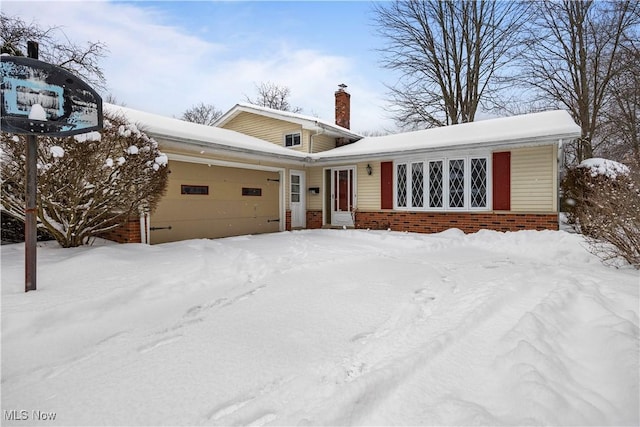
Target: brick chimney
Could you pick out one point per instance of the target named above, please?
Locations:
(343, 107)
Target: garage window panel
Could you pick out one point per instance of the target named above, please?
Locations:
(194, 189)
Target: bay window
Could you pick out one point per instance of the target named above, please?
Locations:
(455, 183)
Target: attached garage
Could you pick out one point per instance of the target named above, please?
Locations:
(209, 201)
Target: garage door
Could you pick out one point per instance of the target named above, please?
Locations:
(214, 201)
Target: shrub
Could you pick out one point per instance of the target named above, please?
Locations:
(603, 203)
(87, 184)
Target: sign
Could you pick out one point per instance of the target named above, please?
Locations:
(42, 99)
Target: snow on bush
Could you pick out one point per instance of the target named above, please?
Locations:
(87, 184)
(602, 199)
(604, 167)
(89, 136)
(57, 151)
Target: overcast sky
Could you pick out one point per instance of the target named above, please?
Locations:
(167, 56)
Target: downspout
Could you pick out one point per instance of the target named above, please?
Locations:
(144, 228)
(559, 173)
(315, 134)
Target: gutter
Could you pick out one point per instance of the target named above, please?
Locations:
(212, 147)
(515, 143)
(326, 159)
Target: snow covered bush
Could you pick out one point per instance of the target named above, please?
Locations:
(87, 184)
(602, 199)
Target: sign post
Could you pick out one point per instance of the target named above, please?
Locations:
(42, 99)
(30, 211)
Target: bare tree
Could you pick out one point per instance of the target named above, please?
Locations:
(273, 96)
(621, 112)
(87, 184)
(205, 114)
(570, 56)
(449, 55)
(54, 48)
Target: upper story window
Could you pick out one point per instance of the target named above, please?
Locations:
(292, 139)
(455, 183)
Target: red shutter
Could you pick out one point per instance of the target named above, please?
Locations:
(502, 181)
(386, 185)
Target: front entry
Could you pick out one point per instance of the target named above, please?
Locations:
(343, 196)
(296, 199)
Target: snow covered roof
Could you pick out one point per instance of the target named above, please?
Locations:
(172, 129)
(307, 122)
(524, 129)
(529, 129)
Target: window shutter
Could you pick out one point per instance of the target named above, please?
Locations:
(502, 181)
(386, 185)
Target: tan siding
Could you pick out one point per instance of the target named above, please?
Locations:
(314, 179)
(266, 128)
(368, 187)
(534, 179)
(323, 143)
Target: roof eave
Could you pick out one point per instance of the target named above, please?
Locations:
(307, 124)
(512, 143)
(219, 148)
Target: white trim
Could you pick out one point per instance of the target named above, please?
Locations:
(144, 233)
(225, 163)
(352, 193)
(303, 196)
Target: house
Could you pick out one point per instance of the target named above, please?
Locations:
(262, 170)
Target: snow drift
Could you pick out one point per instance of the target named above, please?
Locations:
(324, 327)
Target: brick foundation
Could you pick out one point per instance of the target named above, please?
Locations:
(314, 219)
(127, 233)
(287, 224)
(469, 222)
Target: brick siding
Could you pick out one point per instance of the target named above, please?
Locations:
(127, 233)
(287, 223)
(314, 219)
(469, 222)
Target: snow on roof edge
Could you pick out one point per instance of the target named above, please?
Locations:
(169, 127)
(311, 119)
(505, 130)
(533, 126)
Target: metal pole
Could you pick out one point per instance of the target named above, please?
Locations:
(30, 220)
(30, 225)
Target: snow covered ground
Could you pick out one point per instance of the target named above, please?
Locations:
(323, 327)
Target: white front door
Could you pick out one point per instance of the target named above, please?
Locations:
(296, 200)
(343, 196)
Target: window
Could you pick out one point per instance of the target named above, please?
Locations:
(417, 185)
(292, 139)
(251, 191)
(194, 189)
(295, 188)
(401, 179)
(458, 183)
(436, 196)
(479, 183)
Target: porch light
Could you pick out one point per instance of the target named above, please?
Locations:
(369, 169)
